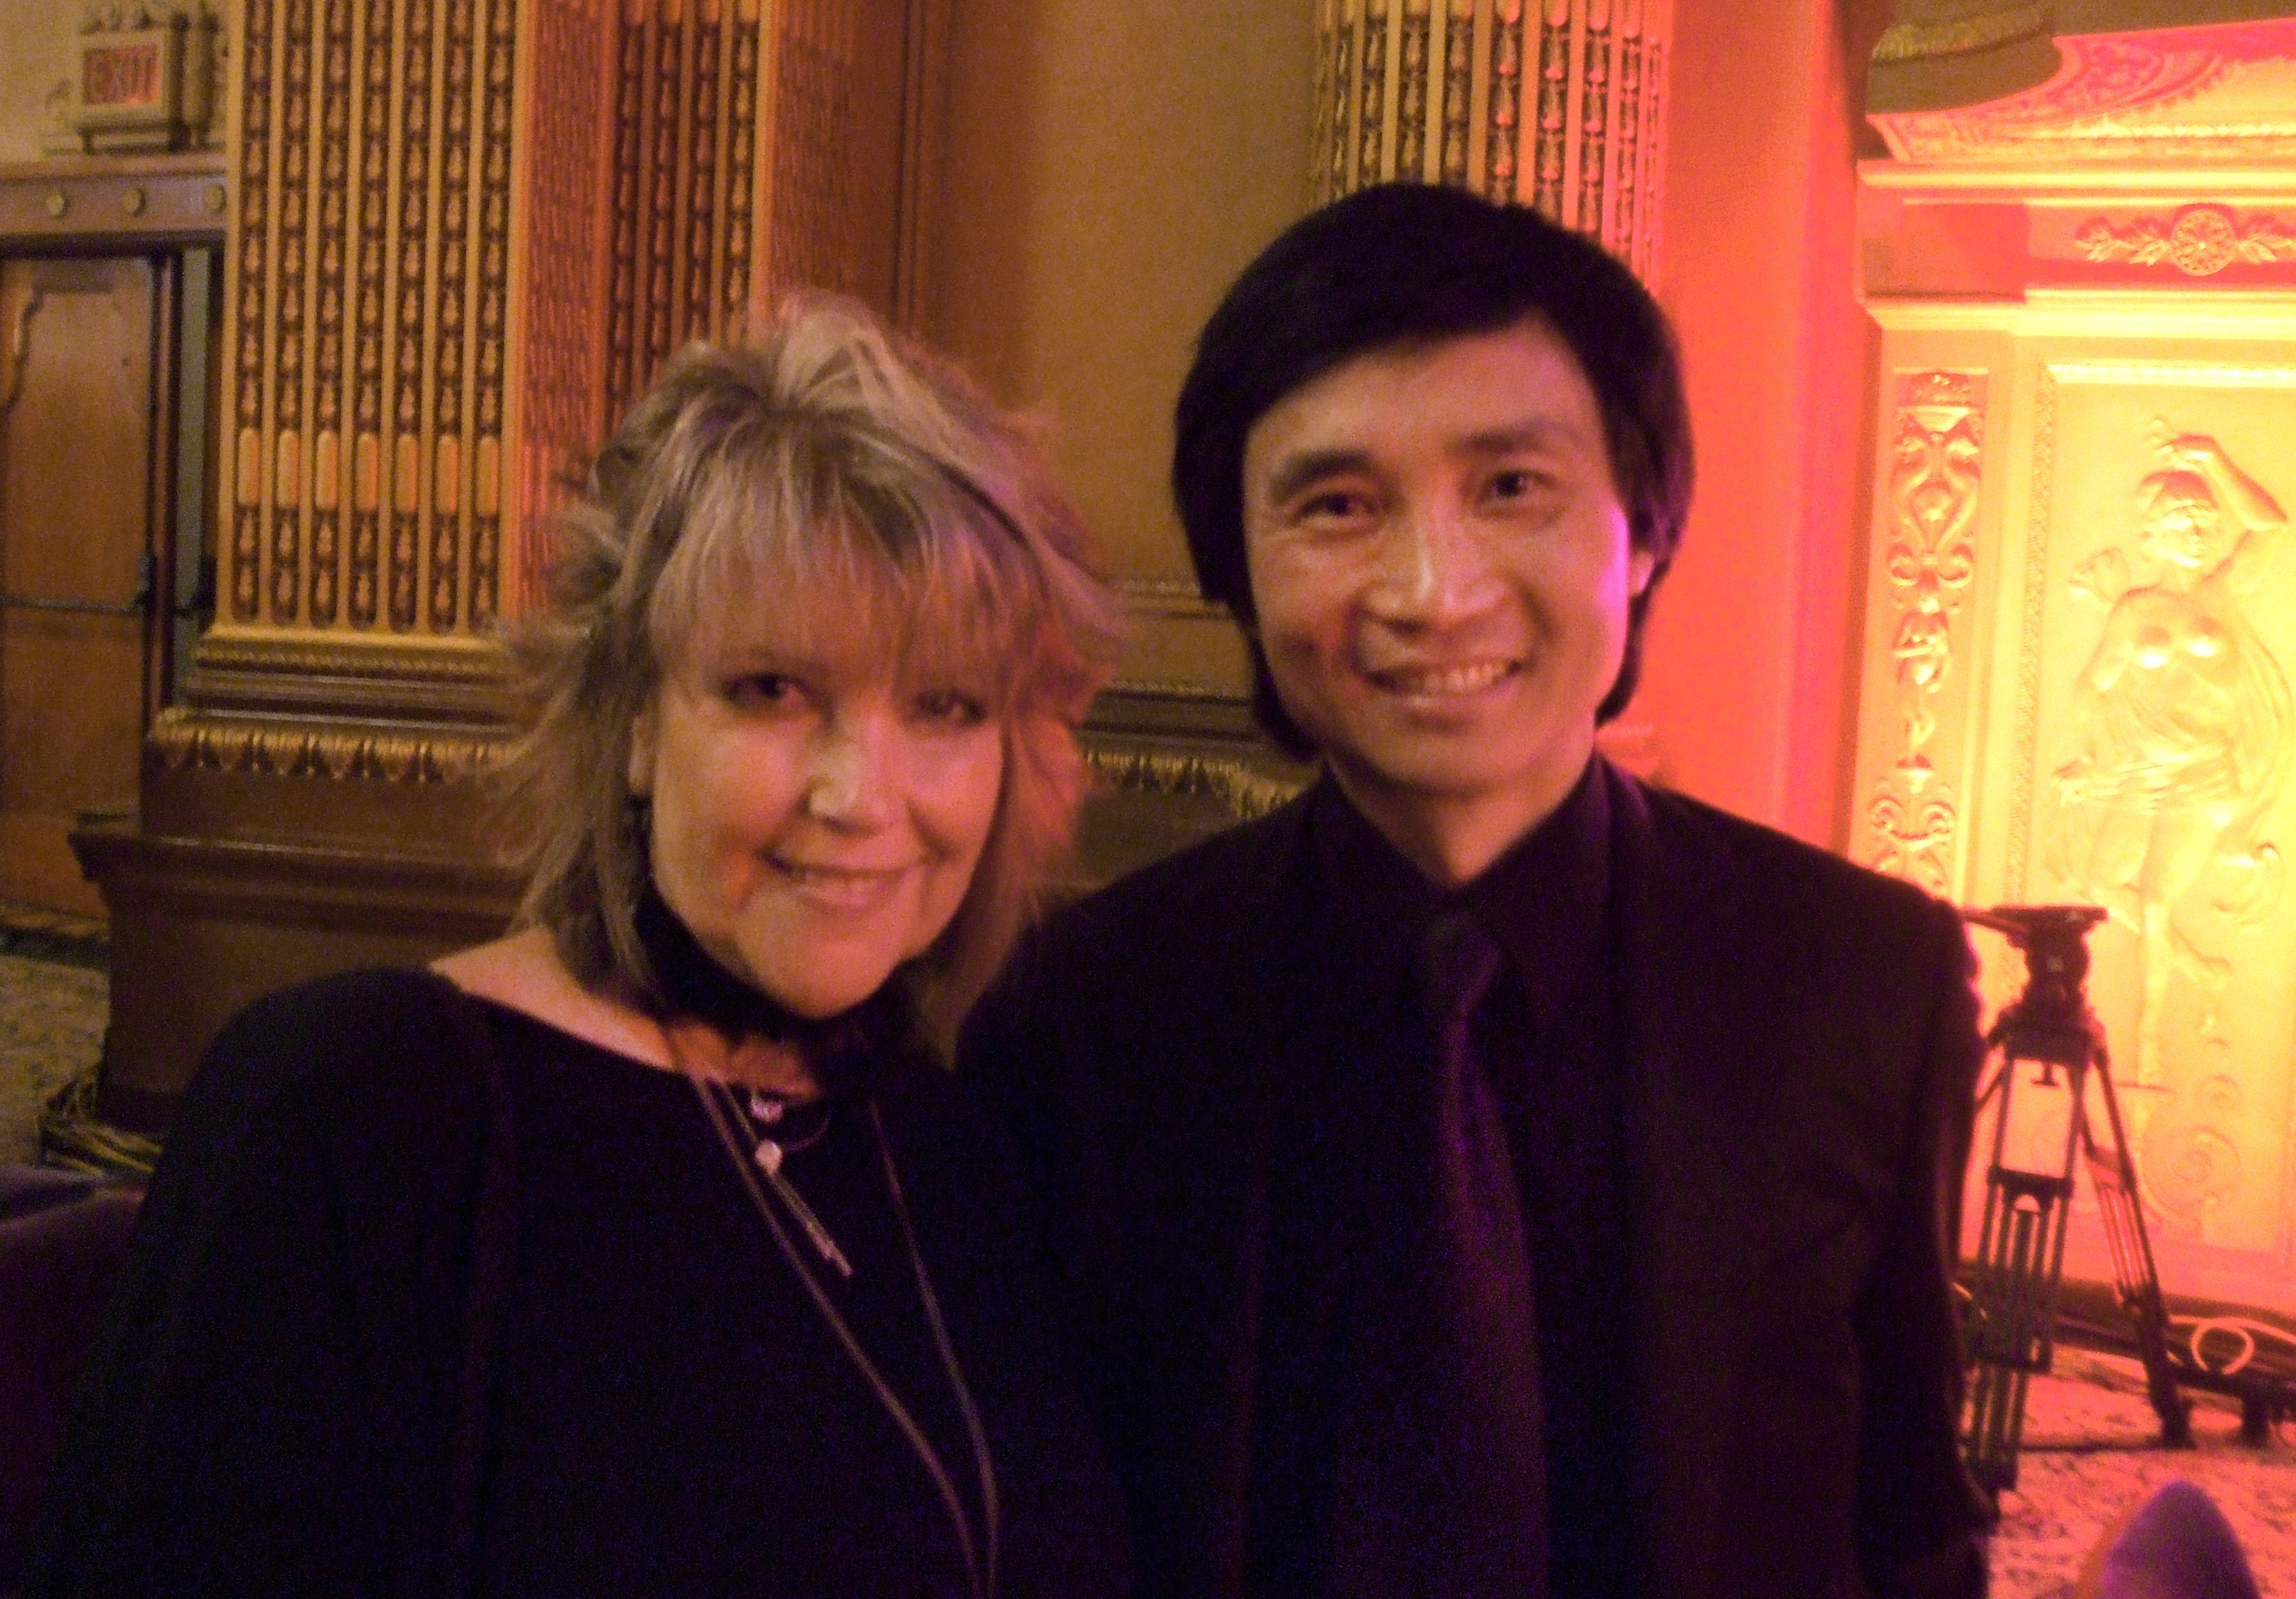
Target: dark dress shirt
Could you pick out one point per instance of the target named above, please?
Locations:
(1552, 1039)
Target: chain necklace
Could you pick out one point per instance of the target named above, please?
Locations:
(761, 1169)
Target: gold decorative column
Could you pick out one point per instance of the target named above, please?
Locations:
(464, 233)
(1554, 103)
(2081, 599)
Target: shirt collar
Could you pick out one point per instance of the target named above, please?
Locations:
(1544, 900)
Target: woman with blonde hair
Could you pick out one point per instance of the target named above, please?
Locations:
(648, 1251)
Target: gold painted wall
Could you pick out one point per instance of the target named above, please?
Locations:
(1111, 168)
(33, 34)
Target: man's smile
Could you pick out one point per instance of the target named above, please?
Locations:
(1451, 682)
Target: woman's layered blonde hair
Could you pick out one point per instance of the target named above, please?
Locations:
(825, 469)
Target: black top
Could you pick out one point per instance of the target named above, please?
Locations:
(1552, 1039)
(313, 1309)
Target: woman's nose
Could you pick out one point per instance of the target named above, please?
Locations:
(851, 776)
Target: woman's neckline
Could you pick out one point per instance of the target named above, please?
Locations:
(523, 972)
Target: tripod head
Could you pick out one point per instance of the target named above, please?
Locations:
(2050, 1020)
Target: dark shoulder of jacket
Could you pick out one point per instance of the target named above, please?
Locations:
(1786, 877)
(1205, 884)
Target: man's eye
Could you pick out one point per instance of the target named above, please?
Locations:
(1333, 505)
(952, 708)
(1517, 484)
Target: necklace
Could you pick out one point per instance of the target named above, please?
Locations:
(769, 1111)
(760, 1171)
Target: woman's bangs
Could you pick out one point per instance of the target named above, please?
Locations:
(841, 570)
(969, 616)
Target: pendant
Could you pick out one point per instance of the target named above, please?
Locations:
(768, 1157)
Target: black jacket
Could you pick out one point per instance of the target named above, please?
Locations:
(1804, 1050)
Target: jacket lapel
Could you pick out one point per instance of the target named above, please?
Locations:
(1696, 1111)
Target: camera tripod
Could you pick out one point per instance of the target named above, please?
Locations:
(2010, 1322)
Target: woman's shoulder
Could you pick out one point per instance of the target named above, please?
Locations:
(348, 1024)
(377, 1065)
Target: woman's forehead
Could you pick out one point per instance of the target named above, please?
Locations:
(874, 632)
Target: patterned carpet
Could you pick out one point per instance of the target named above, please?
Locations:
(2092, 1455)
(52, 1017)
(2090, 1452)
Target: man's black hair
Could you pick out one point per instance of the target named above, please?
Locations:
(1415, 263)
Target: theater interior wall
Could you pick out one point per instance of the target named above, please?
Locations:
(34, 34)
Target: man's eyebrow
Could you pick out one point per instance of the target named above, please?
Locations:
(1536, 433)
(1296, 472)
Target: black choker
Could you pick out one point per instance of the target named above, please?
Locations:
(848, 1053)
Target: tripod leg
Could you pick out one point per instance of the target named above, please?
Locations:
(2138, 1280)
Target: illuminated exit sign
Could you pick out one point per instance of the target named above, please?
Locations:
(123, 77)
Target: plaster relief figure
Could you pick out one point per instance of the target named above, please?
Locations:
(2181, 726)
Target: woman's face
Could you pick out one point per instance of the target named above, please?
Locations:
(818, 809)
(2181, 530)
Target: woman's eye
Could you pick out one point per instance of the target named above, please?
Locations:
(759, 690)
(1517, 485)
(952, 708)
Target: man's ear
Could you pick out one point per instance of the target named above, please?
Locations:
(641, 750)
(1640, 564)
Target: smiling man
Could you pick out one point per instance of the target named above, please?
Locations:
(1486, 1175)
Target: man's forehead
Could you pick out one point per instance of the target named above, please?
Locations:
(1502, 392)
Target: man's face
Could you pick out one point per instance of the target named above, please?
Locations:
(1441, 569)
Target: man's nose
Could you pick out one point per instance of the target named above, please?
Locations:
(851, 772)
(1433, 566)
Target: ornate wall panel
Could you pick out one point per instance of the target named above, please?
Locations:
(2082, 611)
(1557, 104)
(2151, 775)
(369, 326)
(406, 194)
(1935, 459)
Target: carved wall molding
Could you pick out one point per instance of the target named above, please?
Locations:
(1170, 597)
(2209, 93)
(2032, 616)
(184, 740)
(2198, 240)
(168, 199)
(312, 653)
(1554, 103)
(1245, 793)
(1913, 40)
(1936, 472)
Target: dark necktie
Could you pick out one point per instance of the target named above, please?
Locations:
(1440, 1471)
(1489, 1428)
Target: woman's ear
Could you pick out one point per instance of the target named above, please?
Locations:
(642, 750)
